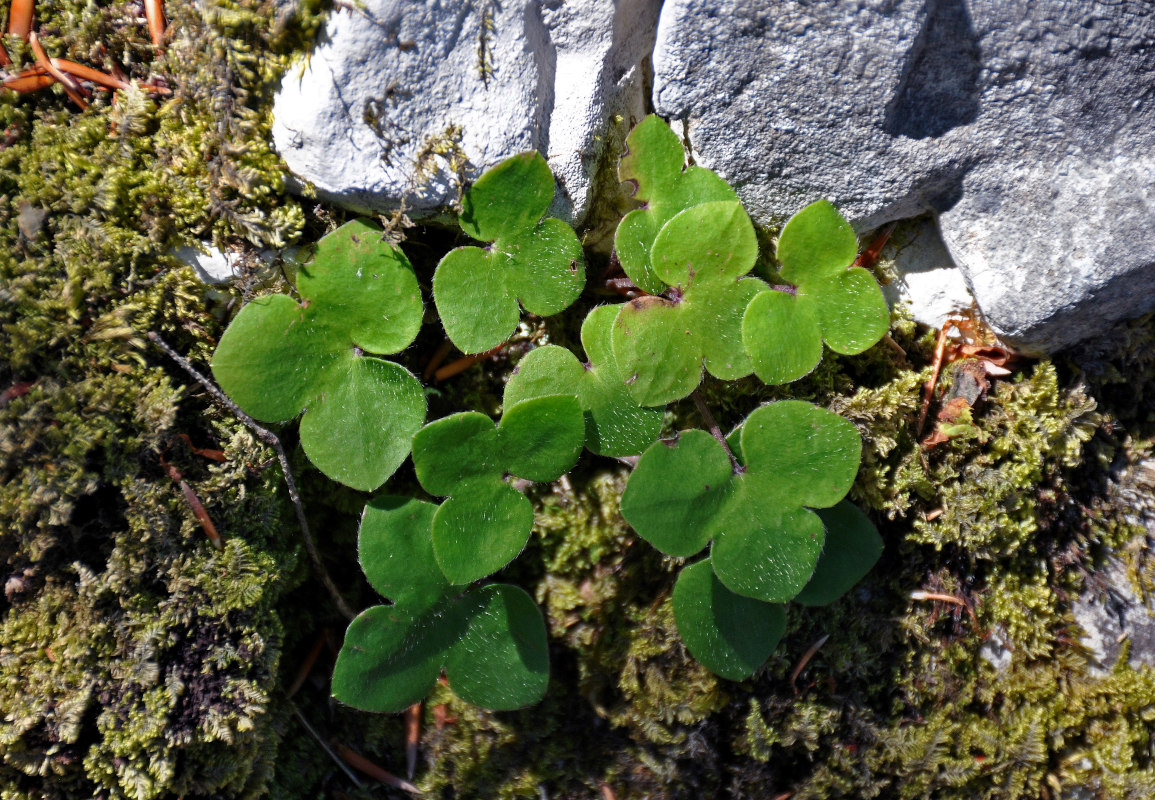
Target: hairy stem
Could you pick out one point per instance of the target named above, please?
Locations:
(269, 438)
(715, 431)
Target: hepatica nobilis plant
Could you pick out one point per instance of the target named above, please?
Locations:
(760, 514)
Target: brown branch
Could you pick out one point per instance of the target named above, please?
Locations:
(269, 438)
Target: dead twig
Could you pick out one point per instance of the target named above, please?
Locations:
(269, 438)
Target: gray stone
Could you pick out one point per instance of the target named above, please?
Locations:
(1109, 609)
(397, 89)
(1027, 127)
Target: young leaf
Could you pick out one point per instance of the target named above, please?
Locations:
(661, 344)
(278, 358)
(853, 546)
(485, 522)
(730, 634)
(766, 541)
(491, 641)
(655, 165)
(534, 260)
(783, 331)
(615, 424)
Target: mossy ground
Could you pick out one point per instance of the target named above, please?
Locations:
(136, 661)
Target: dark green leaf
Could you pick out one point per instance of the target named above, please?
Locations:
(730, 634)
(853, 546)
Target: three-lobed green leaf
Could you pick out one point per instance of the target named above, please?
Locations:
(537, 261)
(484, 522)
(615, 424)
(766, 540)
(655, 164)
(279, 358)
(491, 640)
(783, 330)
(662, 344)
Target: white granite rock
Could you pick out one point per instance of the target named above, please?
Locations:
(395, 86)
(928, 279)
(1028, 127)
(211, 264)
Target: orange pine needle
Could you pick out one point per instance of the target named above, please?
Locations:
(195, 504)
(154, 13)
(462, 364)
(412, 738)
(30, 80)
(869, 256)
(802, 662)
(20, 18)
(438, 359)
(932, 381)
(307, 664)
(88, 73)
(947, 598)
(70, 87)
(5, 59)
(362, 764)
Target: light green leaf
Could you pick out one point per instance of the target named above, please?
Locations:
(766, 542)
(729, 634)
(654, 165)
(811, 453)
(366, 286)
(782, 336)
(360, 424)
(485, 523)
(269, 360)
(853, 546)
(389, 660)
(662, 345)
(849, 311)
(536, 261)
(783, 332)
(278, 358)
(508, 199)
(395, 548)
(676, 491)
(491, 640)
(817, 242)
(502, 660)
(541, 438)
(615, 425)
(480, 528)
(453, 449)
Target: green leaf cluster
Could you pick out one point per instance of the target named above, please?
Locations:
(279, 357)
(490, 640)
(530, 259)
(768, 501)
